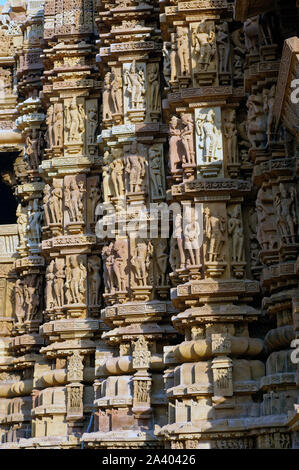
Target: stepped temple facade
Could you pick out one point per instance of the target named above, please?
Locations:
(149, 224)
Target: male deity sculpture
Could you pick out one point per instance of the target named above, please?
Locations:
(223, 45)
(134, 81)
(141, 261)
(285, 205)
(92, 124)
(235, 230)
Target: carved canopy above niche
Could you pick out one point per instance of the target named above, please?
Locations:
(246, 8)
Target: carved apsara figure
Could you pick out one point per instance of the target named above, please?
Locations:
(50, 276)
(92, 124)
(154, 87)
(183, 51)
(176, 147)
(192, 238)
(141, 260)
(135, 169)
(59, 282)
(75, 280)
(231, 136)
(156, 172)
(285, 205)
(34, 222)
(21, 214)
(107, 97)
(117, 176)
(116, 92)
(223, 46)
(55, 202)
(58, 125)
(209, 135)
(19, 300)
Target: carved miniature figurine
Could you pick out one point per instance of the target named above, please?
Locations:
(176, 147)
(116, 93)
(120, 253)
(108, 261)
(94, 197)
(187, 138)
(154, 87)
(223, 45)
(141, 261)
(204, 45)
(34, 148)
(235, 230)
(55, 203)
(94, 277)
(50, 276)
(59, 282)
(134, 81)
(191, 239)
(135, 169)
(58, 125)
(117, 176)
(75, 280)
(22, 225)
(107, 97)
(215, 233)
(19, 300)
(92, 124)
(183, 50)
(285, 205)
(231, 136)
(50, 129)
(161, 259)
(209, 134)
(156, 172)
(34, 222)
(251, 30)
